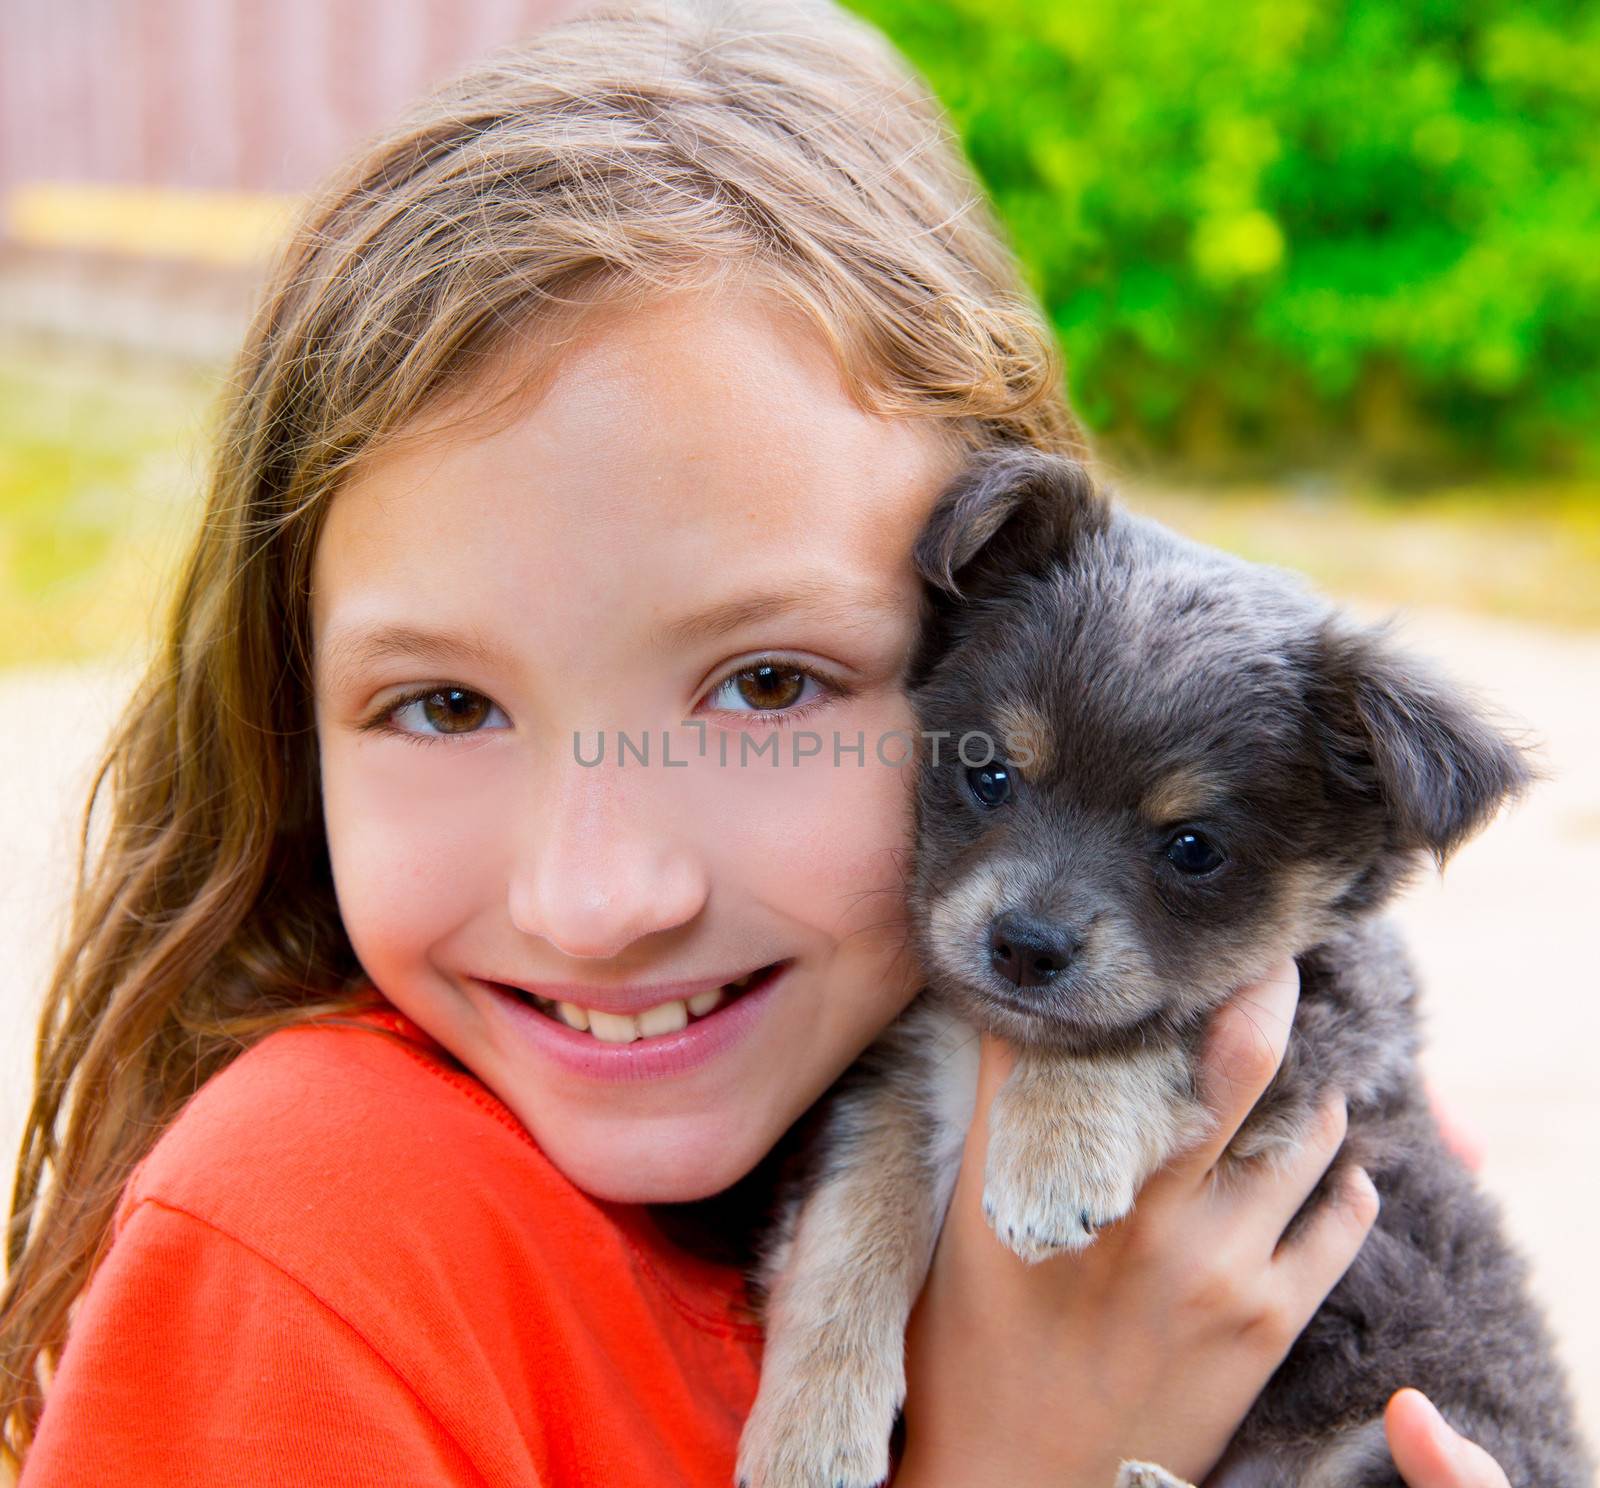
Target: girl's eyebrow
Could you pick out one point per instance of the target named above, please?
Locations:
(347, 652)
(865, 608)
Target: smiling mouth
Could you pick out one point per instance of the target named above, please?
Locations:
(656, 1022)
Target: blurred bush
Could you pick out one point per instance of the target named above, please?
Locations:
(1281, 232)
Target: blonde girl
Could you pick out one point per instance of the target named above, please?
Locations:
(398, 1047)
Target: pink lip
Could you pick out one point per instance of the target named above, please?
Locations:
(625, 1001)
(647, 1058)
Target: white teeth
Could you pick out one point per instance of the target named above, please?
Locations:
(666, 1017)
(669, 1017)
(611, 1029)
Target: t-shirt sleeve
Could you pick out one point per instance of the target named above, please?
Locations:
(192, 1360)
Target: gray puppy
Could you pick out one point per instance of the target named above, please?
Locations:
(1200, 765)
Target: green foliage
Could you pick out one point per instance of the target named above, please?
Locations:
(1300, 229)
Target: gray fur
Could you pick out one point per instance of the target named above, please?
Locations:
(1328, 768)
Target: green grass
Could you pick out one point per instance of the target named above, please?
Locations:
(101, 466)
(100, 473)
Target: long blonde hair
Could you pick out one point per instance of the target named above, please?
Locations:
(623, 153)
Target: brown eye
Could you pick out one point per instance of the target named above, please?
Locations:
(435, 713)
(766, 687)
(454, 710)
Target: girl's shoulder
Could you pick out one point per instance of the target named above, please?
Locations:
(342, 1224)
(340, 1127)
(331, 1142)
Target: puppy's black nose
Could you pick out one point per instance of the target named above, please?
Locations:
(1029, 951)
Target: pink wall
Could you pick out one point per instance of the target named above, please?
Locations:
(224, 94)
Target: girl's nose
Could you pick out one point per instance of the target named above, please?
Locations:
(605, 863)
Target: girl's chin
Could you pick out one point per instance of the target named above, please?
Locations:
(643, 1162)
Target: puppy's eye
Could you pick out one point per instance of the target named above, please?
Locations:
(990, 784)
(1192, 853)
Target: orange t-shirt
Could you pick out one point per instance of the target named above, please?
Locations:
(347, 1263)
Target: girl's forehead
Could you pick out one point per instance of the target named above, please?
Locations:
(713, 417)
(734, 385)
(673, 455)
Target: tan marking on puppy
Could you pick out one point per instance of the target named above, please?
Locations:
(1072, 1139)
(833, 1374)
(1026, 738)
(958, 919)
(1305, 891)
(1297, 919)
(1183, 793)
(1123, 980)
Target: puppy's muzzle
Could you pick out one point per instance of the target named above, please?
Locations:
(1031, 952)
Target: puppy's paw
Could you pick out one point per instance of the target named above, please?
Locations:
(1039, 1211)
(1146, 1475)
(820, 1431)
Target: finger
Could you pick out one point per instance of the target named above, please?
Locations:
(1243, 1049)
(1268, 1192)
(1429, 1453)
(995, 1061)
(1308, 1267)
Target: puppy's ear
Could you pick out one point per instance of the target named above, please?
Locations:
(1398, 734)
(1011, 510)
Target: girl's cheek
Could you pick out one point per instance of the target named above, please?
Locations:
(416, 842)
(813, 822)
(822, 836)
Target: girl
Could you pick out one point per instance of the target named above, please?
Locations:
(404, 1032)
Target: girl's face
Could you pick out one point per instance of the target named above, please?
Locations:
(693, 551)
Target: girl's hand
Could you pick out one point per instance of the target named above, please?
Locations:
(1429, 1453)
(1154, 1341)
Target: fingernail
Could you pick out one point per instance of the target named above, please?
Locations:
(1441, 1428)
(1427, 1405)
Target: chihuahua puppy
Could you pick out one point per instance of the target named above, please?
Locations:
(1154, 769)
